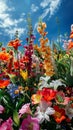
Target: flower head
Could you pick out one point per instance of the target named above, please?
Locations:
(4, 83)
(25, 109)
(43, 111)
(30, 123)
(7, 125)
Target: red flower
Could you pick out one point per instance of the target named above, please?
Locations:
(4, 83)
(59, 115)
(15, 43)
(48, 94)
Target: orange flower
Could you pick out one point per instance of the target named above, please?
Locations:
(70, 46)
(4, 56)
(71, 35)
(59, 115)
(15, 43)
(4, 83)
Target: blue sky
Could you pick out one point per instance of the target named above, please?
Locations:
(13, 14)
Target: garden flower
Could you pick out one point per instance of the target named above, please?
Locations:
(36, 98)
(4, 56)
(44, 111)
(30, 123)
(61, 99)
(15, 43)
(55, 83)
(59, 114)
(13, 90)
(4, 83)
(1, 109)
(25, 109)
(43, 82)
(7, 125)
(24, 74)
(48, 94)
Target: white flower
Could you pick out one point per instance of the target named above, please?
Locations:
(43, 112)
(43, 82)
(55, 83)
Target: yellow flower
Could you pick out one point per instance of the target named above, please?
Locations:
(36, 98)
(24, 74)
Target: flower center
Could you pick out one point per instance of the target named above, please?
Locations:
(30, 127)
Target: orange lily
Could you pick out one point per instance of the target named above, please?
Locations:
(4, 56)
(15, 43)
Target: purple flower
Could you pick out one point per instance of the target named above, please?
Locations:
(7, 125)
(30, 123)
(1, 109)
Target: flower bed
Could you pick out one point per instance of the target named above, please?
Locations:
(36, 86)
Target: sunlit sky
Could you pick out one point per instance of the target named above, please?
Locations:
(13, 15)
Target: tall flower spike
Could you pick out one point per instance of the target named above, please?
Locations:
(45, 50)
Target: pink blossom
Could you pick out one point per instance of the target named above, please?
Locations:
(1, 109)
(7, 125)
(30, 123)
(61, 99)
(25, 109)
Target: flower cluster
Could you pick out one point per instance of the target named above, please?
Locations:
(36, 85)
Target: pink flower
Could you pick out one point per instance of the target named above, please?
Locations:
(1, 109)
(25, 109)
(7, 125)
(30, 123)
(61, 99)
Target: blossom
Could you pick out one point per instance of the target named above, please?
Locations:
(4, 56)
(43, 82)
(7, 125)
(4, 83)
(1, 109)
(30, 123)
(44, 111)
(36, 98)
(25, 109)
(13, 90)
(24, 74)
(48, 94)
(61, 99)
(59, 114)
(55, 83)
(15, 43)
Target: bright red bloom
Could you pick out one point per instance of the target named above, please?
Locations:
(59, 115)
(48, 94)
(15, 43)
(4, 83)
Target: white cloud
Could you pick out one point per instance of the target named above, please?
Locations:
(45, 13)
(50, 7)
(45, 3)
(34, 8)
(54, 6)
(7, 23)
(11, 31)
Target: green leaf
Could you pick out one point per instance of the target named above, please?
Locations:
(16, 118)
